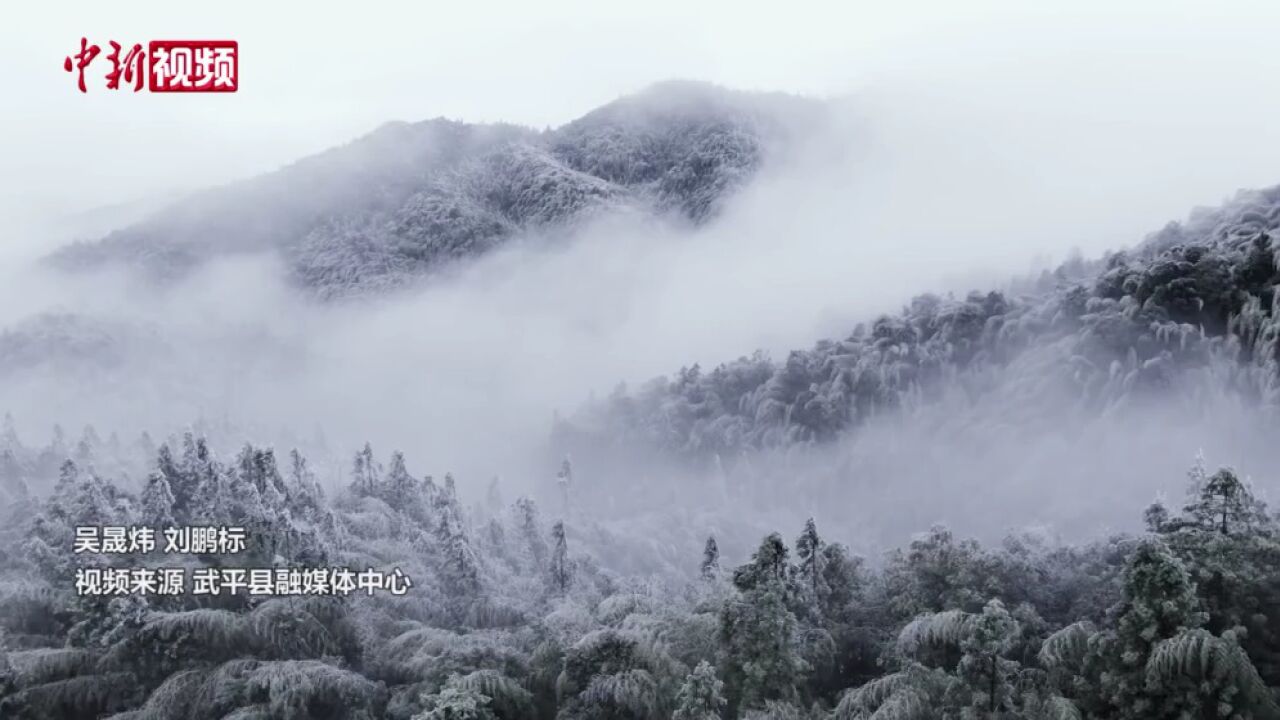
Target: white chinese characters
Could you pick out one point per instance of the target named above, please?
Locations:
(194, 66)
(120, 540)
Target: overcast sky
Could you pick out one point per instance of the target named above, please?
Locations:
(1152, 105)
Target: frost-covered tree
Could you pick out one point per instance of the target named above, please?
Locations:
(402, 490)
(460, 567)
(304, 494)
(758, 632)
(366, 472)
(986, 671)
(529, 529)
(1172, 625)
(560, 570)
(1159, 604)
(1231, 549)
(710, 567)
(618, 674)
(82, 498)
(937, 572)
(912, 692)
(1156, 517)
(456, 703)
(809, 577)
(1224, 503)
(701, 696)
(156, 503)
(181, 484)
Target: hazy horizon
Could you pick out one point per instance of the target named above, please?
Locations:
(1099, 109)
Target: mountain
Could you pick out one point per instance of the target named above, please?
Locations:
(411, 198)
(1198, 296)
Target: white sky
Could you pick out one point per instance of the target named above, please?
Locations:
(1153, 105)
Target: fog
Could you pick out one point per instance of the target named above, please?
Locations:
(1080, 103)
(962, 151)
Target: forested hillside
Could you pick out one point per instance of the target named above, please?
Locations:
(590, 582)
(510, 616)
(411, 198)
(1195, 297)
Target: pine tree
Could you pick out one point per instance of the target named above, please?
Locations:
(258, 467)
(1159, 598)
(809, 569)
(218, 496)
(63, 491)
(449, 493)
(1159, 603)
(984, 668)
(445, 503)
(82, 498)
(1156, 517)
(460, 566)
(612, 673)
(841, 581)
(1198, 673)
(456, 703)
(1231, 549)
(710, 559)
(194, 480)
(236, 498)
(365, 472)
(938, 573)
(560, 571)
(530, 530)
(300, 476)
(181, 485)
(93, 502)
(701, 696)
(157, 503)
(402, 490)
(429, 495)
(757, 632)
(1225, 504)
(768, 566)
(301, 490)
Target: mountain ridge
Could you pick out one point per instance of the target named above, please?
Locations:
(1202, 294)
(406, 199)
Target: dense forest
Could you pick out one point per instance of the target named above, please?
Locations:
(510, 616)
(1195, 297)
(594, 585)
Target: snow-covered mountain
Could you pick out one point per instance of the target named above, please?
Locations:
(1196, 297)
(410, 198)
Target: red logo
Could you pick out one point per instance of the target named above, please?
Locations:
(168, 65)
(194, 65)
